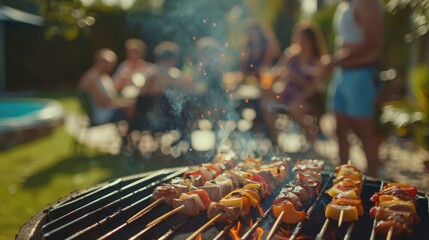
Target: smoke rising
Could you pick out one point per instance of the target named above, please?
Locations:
(201, 30)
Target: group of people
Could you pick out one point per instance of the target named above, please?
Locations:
(112, 93)
(352, 90)
(303, 68)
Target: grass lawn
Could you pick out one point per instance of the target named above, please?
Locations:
(37, 173)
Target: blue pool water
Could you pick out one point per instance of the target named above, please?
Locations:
(17, 114)
(18, 109)
(25, 119)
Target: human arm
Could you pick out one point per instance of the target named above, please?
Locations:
(93, 86)
(122, 76)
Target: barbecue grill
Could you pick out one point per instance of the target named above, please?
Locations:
(103, 212)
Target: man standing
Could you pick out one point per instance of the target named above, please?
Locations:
(353, 91)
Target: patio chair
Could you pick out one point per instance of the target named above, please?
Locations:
(88, 122)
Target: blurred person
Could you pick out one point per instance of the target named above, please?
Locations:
(98, 84)
(208, 75)
(299, 68)
(154, 103)
(353, 91)
(261, 48)
(167, 73)
(134, 71)
(209, 67)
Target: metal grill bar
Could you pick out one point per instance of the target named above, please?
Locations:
(374, 223)
(91, 214)
(75, 203)
(109, 218)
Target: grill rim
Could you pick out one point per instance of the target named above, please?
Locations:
(32, 229)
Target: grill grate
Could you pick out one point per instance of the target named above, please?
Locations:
(102, 213)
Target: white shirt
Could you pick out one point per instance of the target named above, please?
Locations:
(348, 30)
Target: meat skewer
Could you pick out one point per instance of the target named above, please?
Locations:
(255, 179)
(238, 202)
(297, 228)
(234, 205)
(196, 177)
(186, 202)
(305, 186)
(395, 210)
(166, 192)
(346, 204)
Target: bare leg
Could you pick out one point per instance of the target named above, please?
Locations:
(342, 132)
(268, 115)
(269, 119)
(298, 112)
(364, 128)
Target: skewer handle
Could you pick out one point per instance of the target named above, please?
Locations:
(275, 226)
(323, 230)
(165, 216)
(146, 209)
(349, 231)
(204, 227)
(389, 233)
(340, 218)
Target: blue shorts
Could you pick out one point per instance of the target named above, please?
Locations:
(353, 91)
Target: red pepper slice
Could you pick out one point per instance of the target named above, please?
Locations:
(412, 191)
(213, 167)
(257, 178)
(196, 173)
(204, 196)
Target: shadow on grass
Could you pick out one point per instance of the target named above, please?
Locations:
(115, 165)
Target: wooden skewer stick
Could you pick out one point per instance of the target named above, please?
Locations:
(340, 219)
(389, 233)
(323, 230)
(141, 233)
(349, 162)
(146, 209)
(204, 227)
(349, 231)
(275, 226)
(165, 216)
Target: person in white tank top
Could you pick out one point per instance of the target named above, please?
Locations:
(97, 83)
(349, 31)
(358, 24)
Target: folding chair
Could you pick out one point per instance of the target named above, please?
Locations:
(89, 122)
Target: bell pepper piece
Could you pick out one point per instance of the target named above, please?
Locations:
(333, 211)
(350, 202)
(291, 215)
(253, 198)
(335, 191)
(241, 203)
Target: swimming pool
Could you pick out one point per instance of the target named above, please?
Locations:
(24, 119)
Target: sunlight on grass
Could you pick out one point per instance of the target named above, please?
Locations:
(39, 172)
